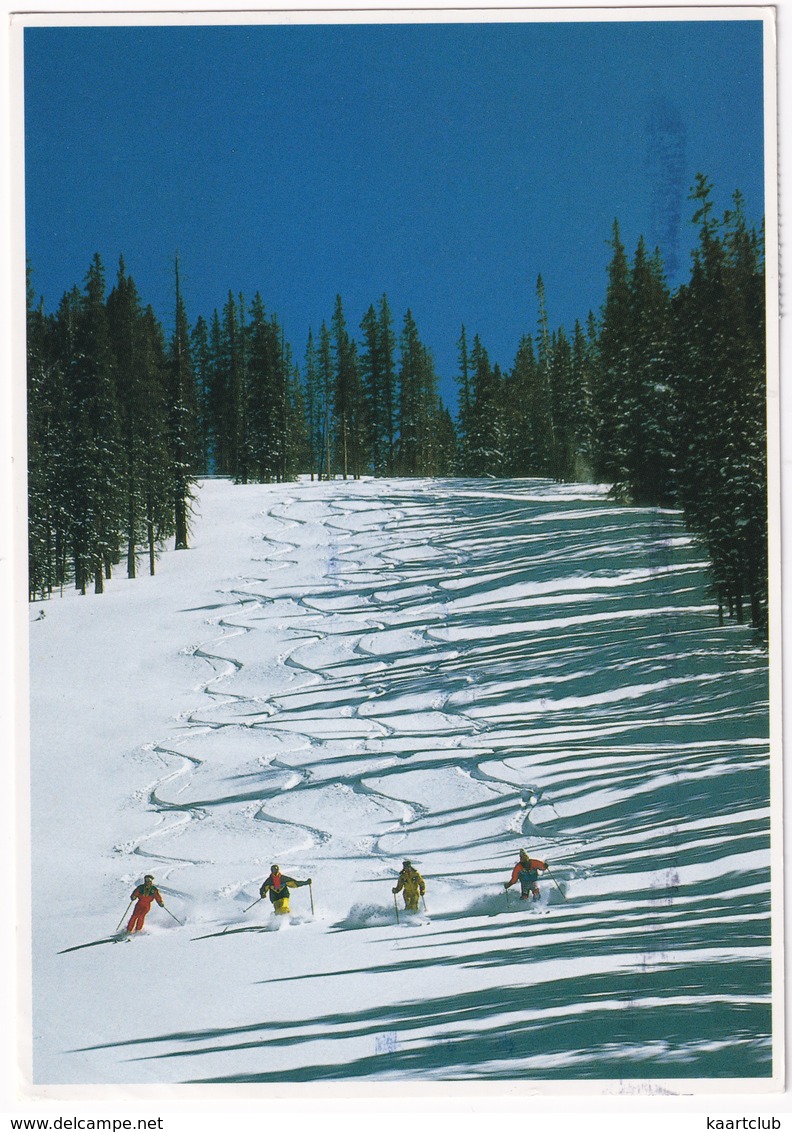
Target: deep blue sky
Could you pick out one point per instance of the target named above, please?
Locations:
(447, 165)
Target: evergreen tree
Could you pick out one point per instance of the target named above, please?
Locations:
(62, 339)
(444, 445)
(95, 475)
(232, 414)
(284, 405)
(583, 367)
(544, 406)
(326, 384)
(181, 421)
(371, 380)
(465, 407)
(565, 408)
(140, 380)
(155, 472)
(263, 395)
(648, 419)
(48, 442)
(312, 400)
(525, 443)
(349, 404)
(202, 361)
(409, 397)
(485, 434)
(609, 392)
(300, 451)
(386, 412)
(378, 381)
(218, 400)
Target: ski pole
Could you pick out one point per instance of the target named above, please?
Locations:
(396, 906)
(310, 893)
(118, 929)
(558, 886)
(508, 902)
(424, 904)
(179, 922)
(253, 905)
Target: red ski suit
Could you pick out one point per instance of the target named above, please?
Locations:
(145, 898)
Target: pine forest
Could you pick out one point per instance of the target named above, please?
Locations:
(662, 393)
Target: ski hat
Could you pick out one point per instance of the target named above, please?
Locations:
(407, 864)
(148, 876)
(523, 855)
(274, 868)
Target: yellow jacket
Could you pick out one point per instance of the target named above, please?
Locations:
(412, 882)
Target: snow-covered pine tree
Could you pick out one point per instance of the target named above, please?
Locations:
(410, 361)
(420, 408)
(485, 435)
(387, 400)
(648, 422)
(312, 401)
(350, 407)
(523, 443)
(217, 399)
(140, 382)
(299, 454)
(565, 409)
(155, 472)
(371, 380)
(286, 432)
(202, 364)
(182, 417)
(95, 474)
(377, 377)
(242, 398)
(583, 364)
(611, 398)
(263, 395)
(231, 407)
(48, 440)
(465, 406)
(326, 384)
(444, 443)
(544, 406)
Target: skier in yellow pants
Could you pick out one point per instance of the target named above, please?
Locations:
(413, 884)
(277, 886)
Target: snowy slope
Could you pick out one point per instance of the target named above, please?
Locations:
(340, 675)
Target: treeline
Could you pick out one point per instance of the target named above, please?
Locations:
(122, 420)
(111, 434)
(662, 394)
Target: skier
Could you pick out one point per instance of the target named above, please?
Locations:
(145, 894)
(277, 886)
(413, 884)
(526, 871)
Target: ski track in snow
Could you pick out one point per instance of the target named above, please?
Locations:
(450, 671)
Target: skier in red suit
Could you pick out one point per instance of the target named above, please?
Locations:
(145, 894)
(526, 871)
